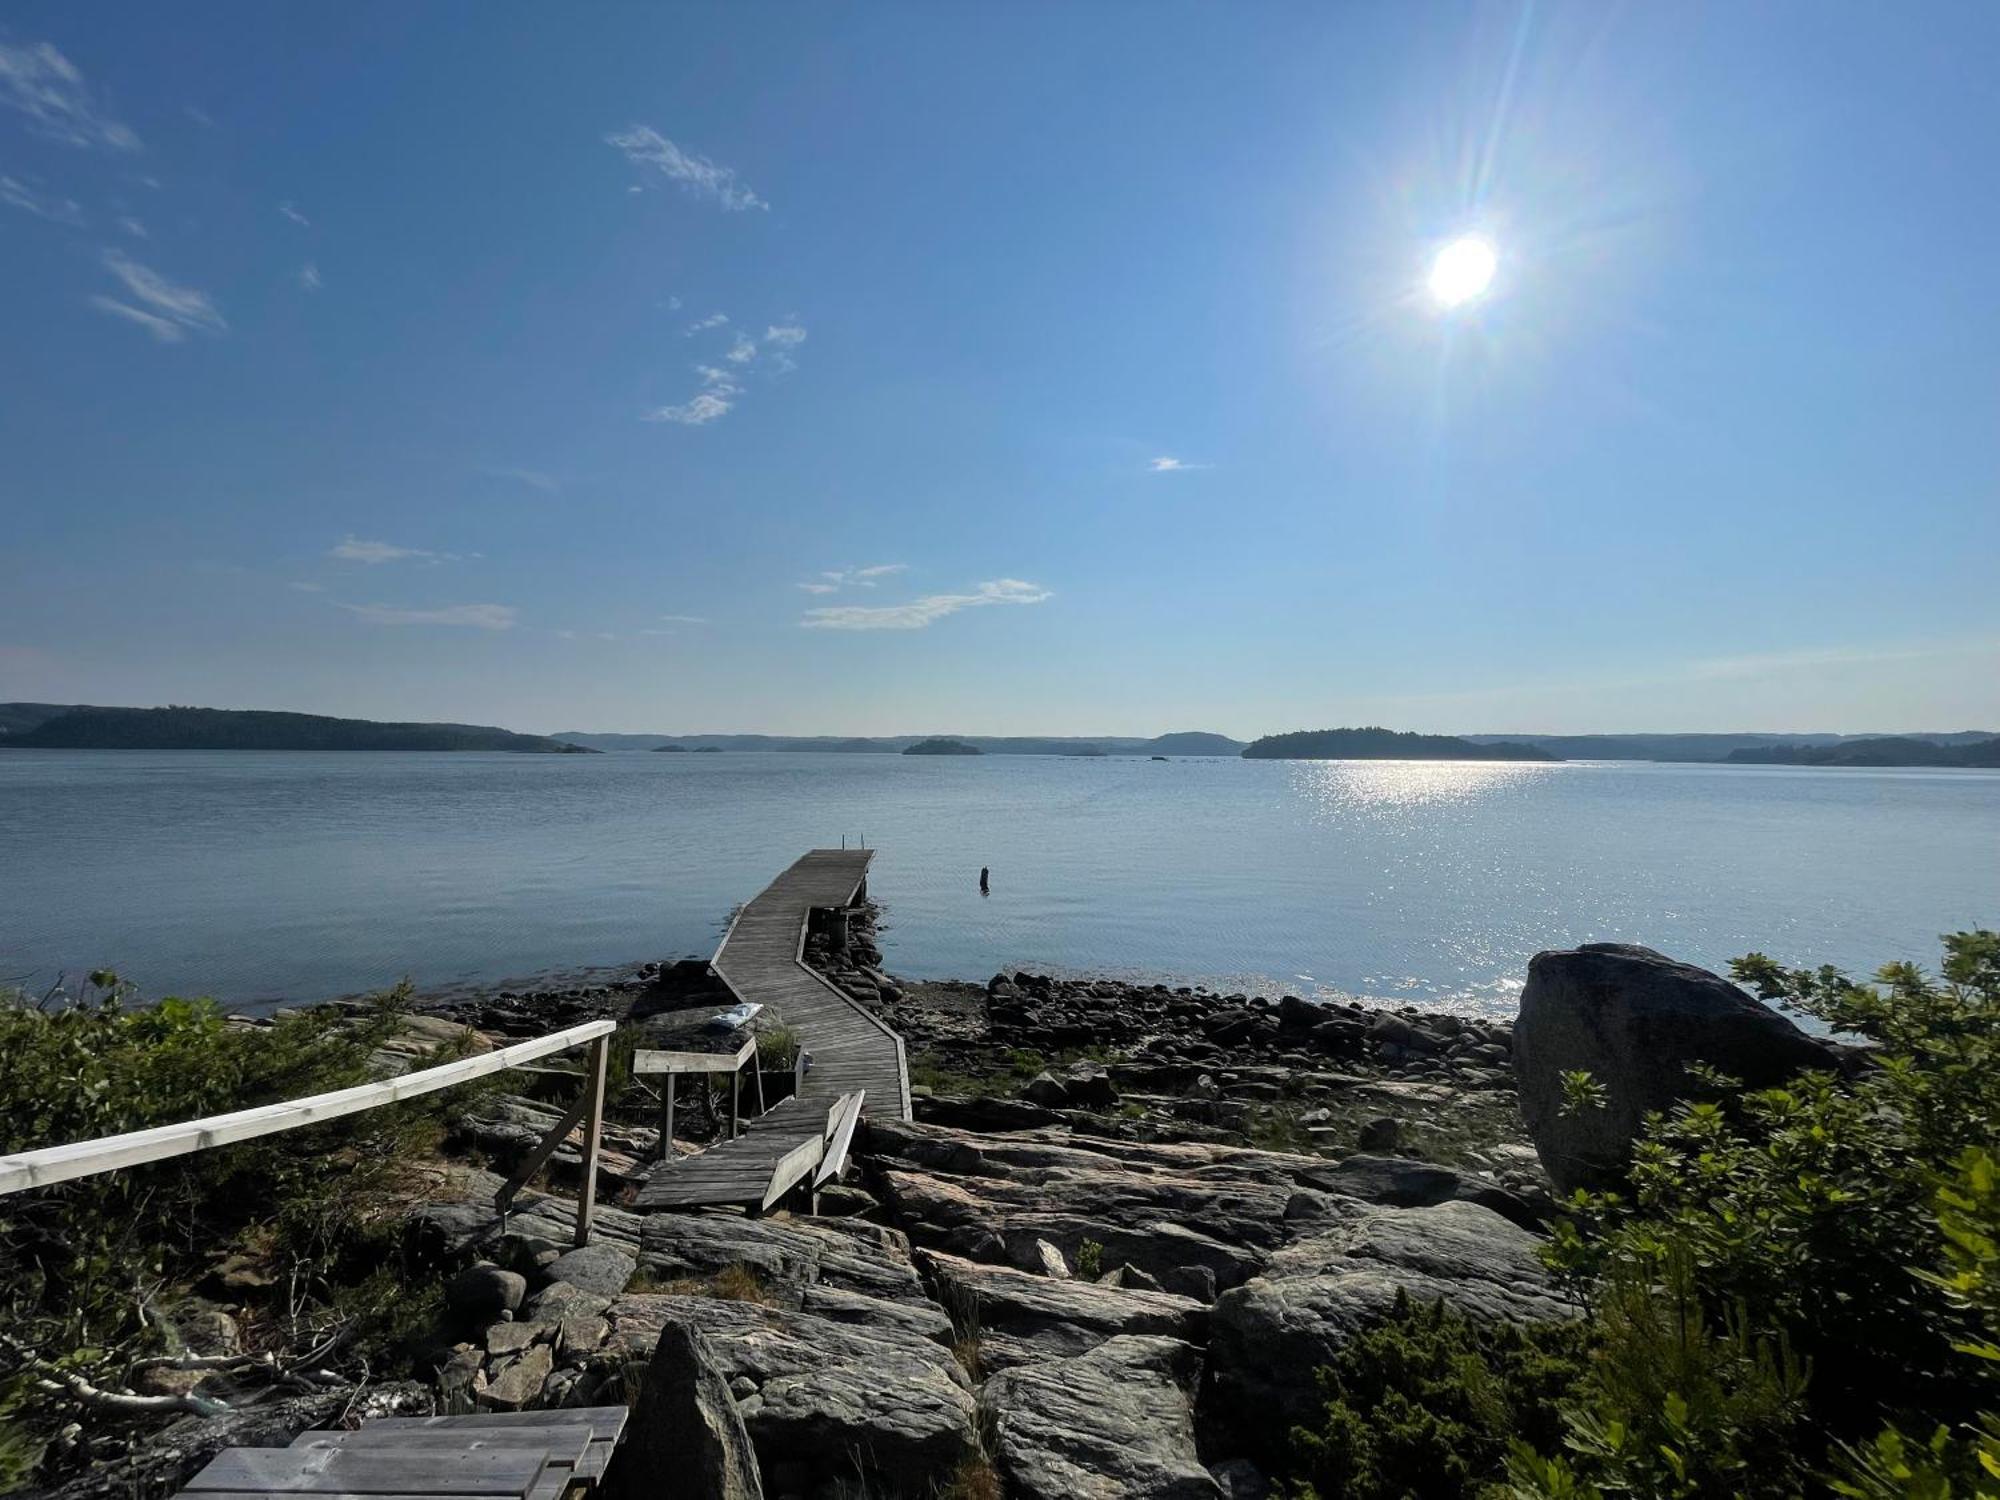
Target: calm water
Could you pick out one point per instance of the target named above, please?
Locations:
(256, 876)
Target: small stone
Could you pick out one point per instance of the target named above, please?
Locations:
(1383, 1133)
(594, 1268)
(482, 1292)
(521, 1382)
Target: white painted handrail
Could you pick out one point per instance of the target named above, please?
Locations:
(52, 1164)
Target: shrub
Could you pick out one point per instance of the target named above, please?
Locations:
(1424, 1404)
(1840, 1232)
(95, 1264)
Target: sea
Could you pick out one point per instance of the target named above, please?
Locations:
(267, 877)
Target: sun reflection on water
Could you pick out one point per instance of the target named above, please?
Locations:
(1339, 788)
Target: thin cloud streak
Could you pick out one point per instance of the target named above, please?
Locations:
(49, 89)
(926, 611)
(354, 549)
(165, 304)
(469, 616)
(1167, 465)
(18, 194)
(698, 176)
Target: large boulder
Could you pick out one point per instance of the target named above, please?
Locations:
(1267, 1336)
(685, 1436)
(1634, 1019)
(819, 1396)
(1018, 1317)
(1114, 1423)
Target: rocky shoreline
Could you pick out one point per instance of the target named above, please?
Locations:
(1125, 1227)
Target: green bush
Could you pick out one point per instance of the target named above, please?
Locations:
(95, 1265)
(1839, 1232)
(1425, 1403)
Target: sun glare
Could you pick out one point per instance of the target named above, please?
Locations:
(1462, 271)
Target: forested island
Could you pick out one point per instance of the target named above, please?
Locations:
(942, 747)
(1892, 750)
(1383, 744)
(177, 728)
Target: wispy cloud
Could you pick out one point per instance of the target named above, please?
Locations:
(922, 612)
(292, 213)
(168, 311)
(17, 194)
(134, 227)
(534, 479)
(646, 147)
(702, 325)
(47, 87)
(472, 616)
(685, 619)
(833, 580)
(353, 549)
(722, 388)
(309, 278)
(715, 400)
(1166, 465)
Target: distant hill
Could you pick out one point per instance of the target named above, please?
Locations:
(1696, 747)
(257, 729)
(19, 718)
(942, 747)
(1191, 742)
(1382, 744)
(1897, 750)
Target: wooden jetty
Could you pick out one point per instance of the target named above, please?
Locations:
(852, 1060)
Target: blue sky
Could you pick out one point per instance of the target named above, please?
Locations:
(1023, 368)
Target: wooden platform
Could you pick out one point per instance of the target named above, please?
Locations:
(529, 1455)
(759, 961)
(797, 1142)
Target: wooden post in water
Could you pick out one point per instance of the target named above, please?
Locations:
(594, 1066)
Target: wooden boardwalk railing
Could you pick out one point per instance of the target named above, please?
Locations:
(51, 1164)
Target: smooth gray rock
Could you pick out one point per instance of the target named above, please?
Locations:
(829, 1395)
(1114, 1423)
(520, 1382)
(1633, 1019)
(1268, 1335)
(602, 1269)
(1018, 1317)
(685, 1436)
(847, 1254)
(481, 1292)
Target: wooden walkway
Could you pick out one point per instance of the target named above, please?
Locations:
(759, 961)
(856, 1062)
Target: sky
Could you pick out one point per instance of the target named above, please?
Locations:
(1022, 368)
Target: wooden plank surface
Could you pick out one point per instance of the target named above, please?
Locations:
(760, 961)
(845, 1116)
(29, 1169)
(314, 1471)
(605, 1422)
(655, 1060)
(564, 1445)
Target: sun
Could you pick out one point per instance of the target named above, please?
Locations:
(1462, 271)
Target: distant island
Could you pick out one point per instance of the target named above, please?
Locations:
(1887, 751)
(258, 729)
(942, 747)
(1383, 744)
(1186, 742)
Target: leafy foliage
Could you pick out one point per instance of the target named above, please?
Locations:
(1841, 1234)
(97, 1264)
(1425, 1403)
